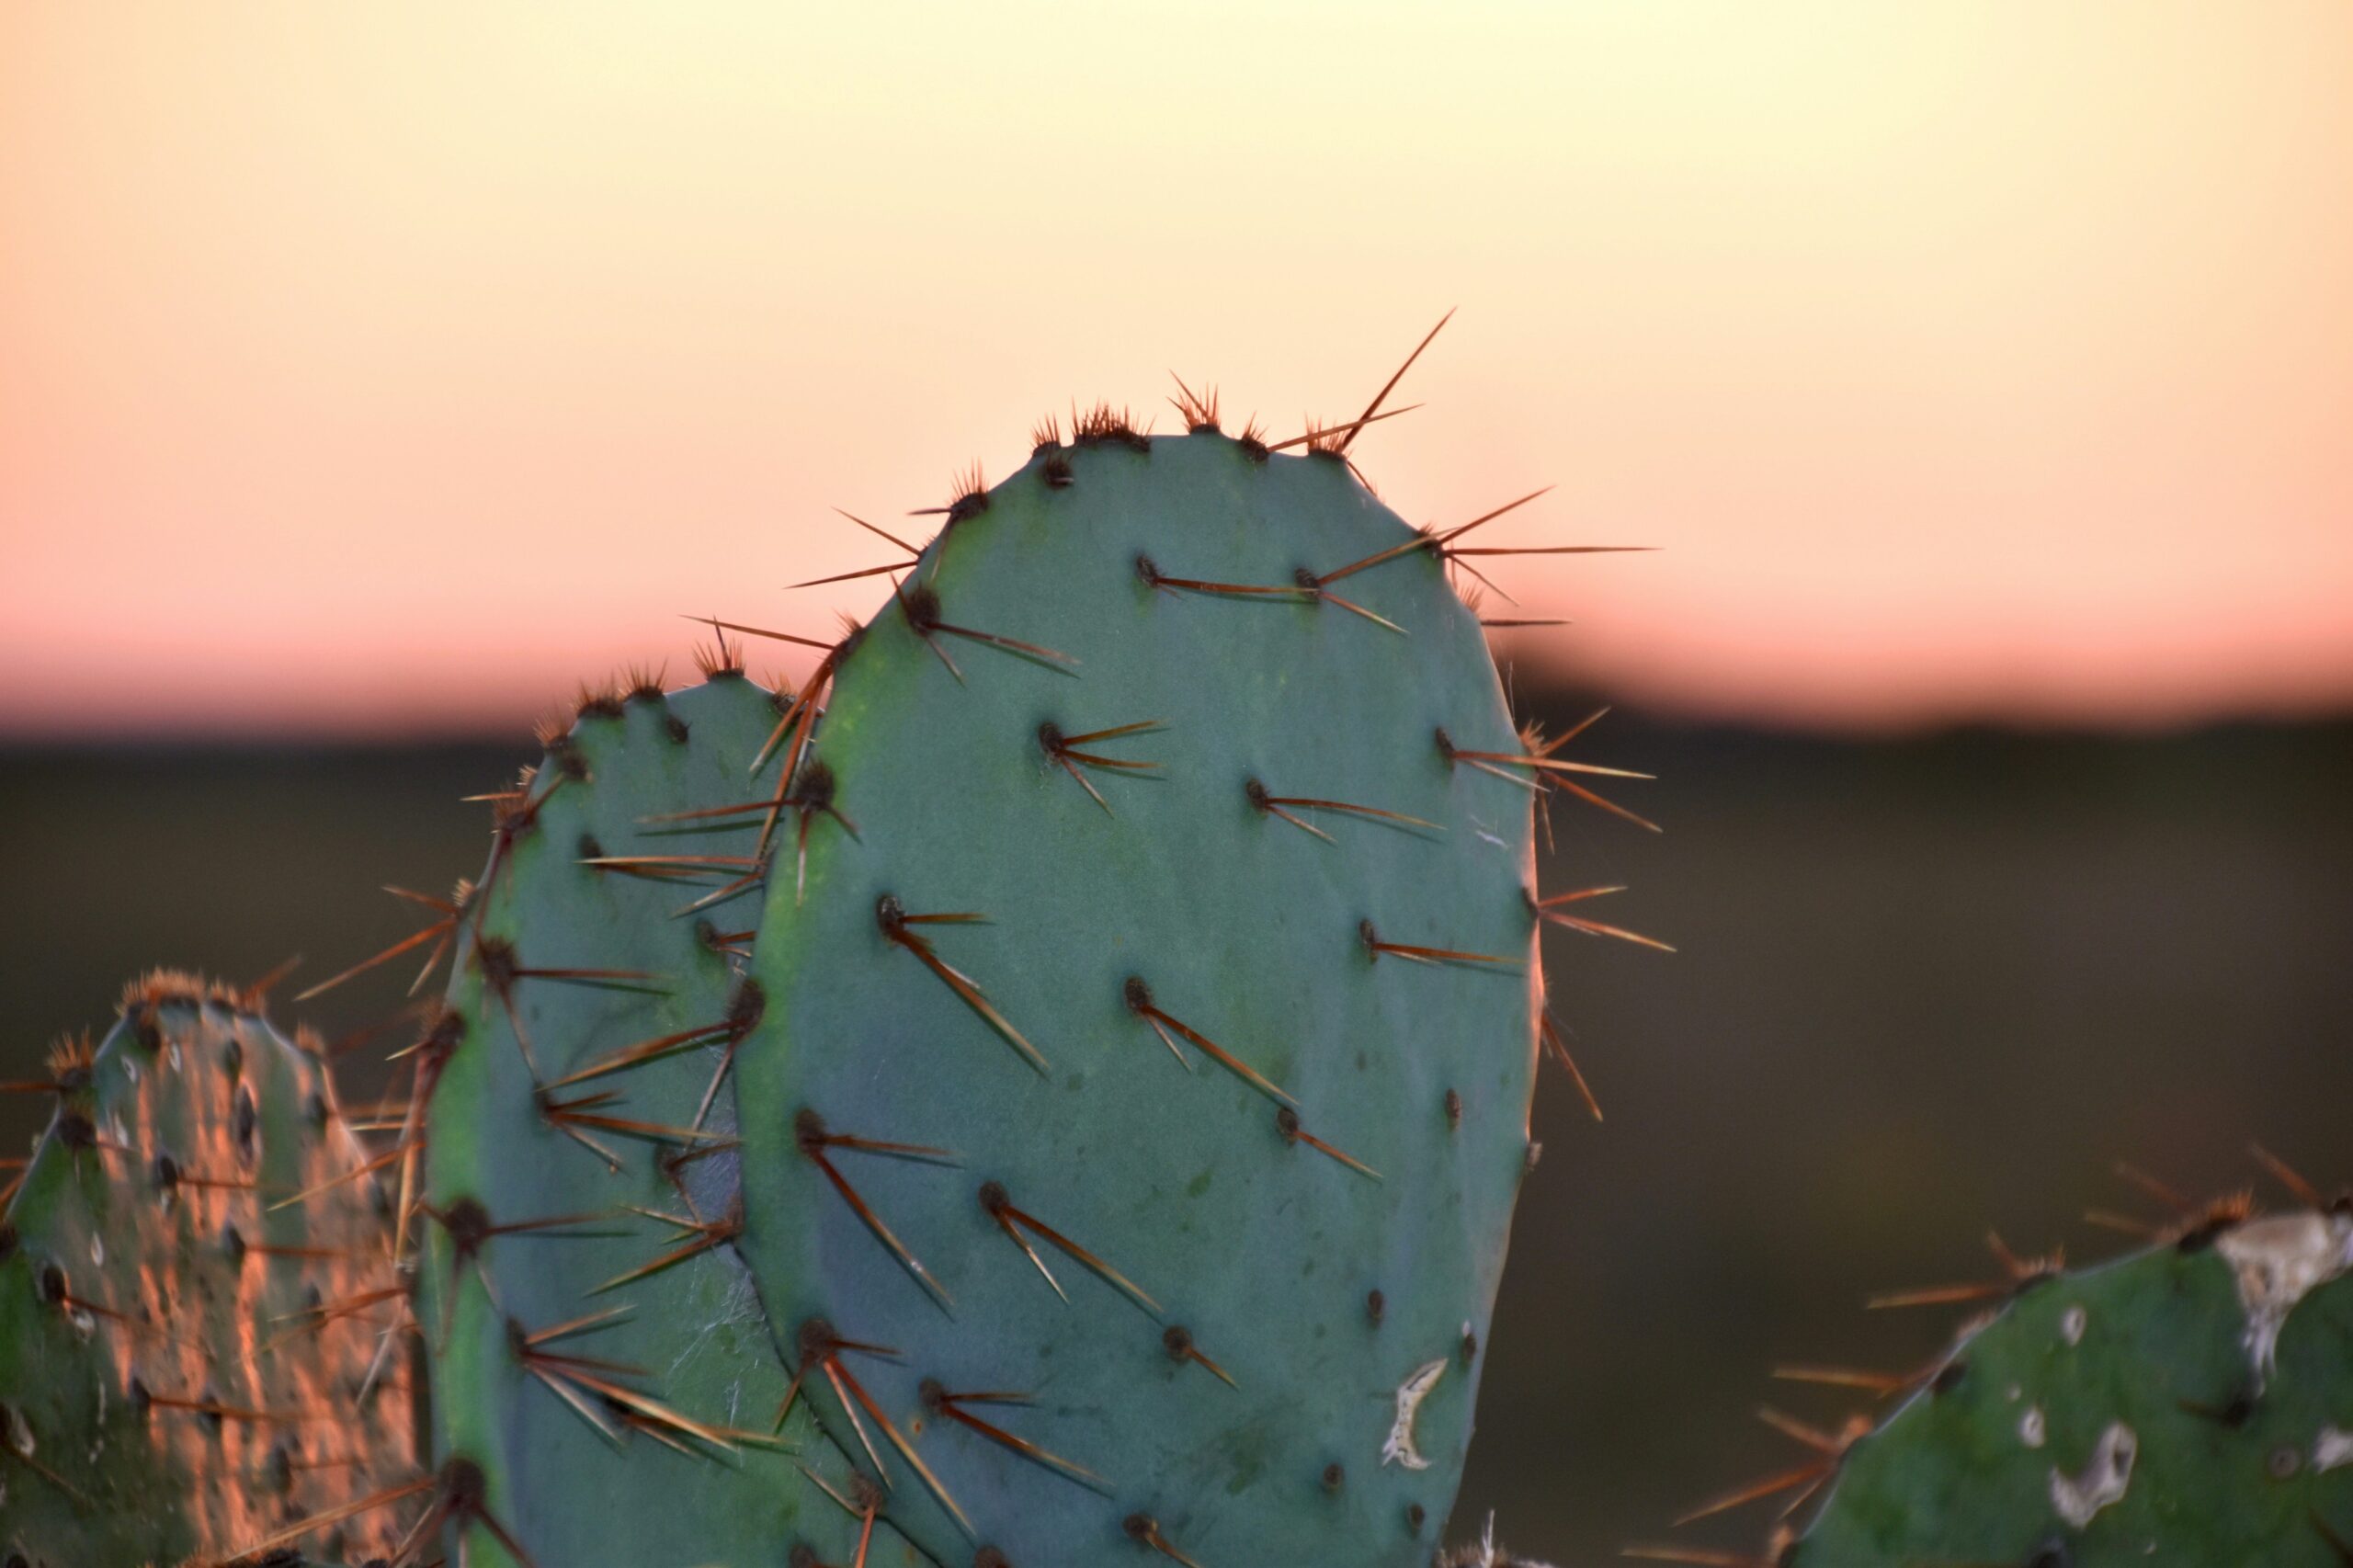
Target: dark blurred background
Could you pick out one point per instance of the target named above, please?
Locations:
(1927, 986)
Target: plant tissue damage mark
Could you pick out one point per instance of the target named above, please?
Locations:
(2078, 1497)
(1487, 1554)
(2277, 1263)
(2032, 1427)
(1400, 1448)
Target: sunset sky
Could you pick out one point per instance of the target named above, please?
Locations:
(383, 368)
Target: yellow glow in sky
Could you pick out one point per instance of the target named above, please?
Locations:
(387, 366)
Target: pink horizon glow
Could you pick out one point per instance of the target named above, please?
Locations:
(388, 371)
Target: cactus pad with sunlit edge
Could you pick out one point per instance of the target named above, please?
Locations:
(1131, 1134)
(2192, 1404)
(600, 1358)
(199, 1315)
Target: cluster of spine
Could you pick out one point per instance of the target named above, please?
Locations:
(1051, 1090)
(199, 1308)
(2190, 1402)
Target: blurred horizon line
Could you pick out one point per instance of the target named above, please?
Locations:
(488, 729)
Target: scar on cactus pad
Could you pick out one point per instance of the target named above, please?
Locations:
(196, 1291)
(2188, 1404)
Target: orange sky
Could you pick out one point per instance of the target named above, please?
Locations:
(370, 365)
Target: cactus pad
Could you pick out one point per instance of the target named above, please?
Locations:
(600, 1357)
(2191, 1404)
(1132, 1129)
(199, 1315)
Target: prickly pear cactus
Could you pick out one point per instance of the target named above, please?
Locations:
(2192, 1404)
(1062, 1101)
(605, 1384)
(199, 1344)
(1134, 1119)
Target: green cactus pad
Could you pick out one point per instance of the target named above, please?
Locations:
(196, 1314)
(636, 1436)
(2188, 1405)
(1091, 947)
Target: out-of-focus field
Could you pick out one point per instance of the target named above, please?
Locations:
(1926, 986)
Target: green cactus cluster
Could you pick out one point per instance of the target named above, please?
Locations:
(1062, 1094)
(1051, 1090)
